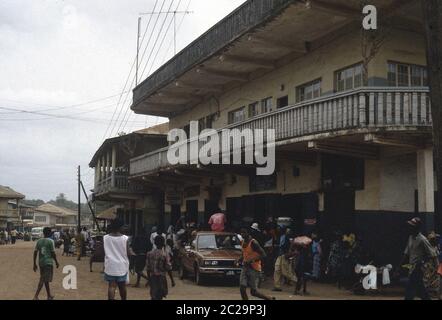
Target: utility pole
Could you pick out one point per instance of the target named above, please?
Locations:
(174, 22)
(79, 199)
(432, 20)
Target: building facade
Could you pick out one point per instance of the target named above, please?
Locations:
(350, 109)
(138, 206)
(9, 202)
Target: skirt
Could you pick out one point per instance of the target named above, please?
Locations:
(158, 287)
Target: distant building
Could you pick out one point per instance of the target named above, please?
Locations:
(9, 216)
(49, 215)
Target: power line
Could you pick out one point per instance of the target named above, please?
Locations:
(150, 55)
(167, 51)
(58, 107)
(135, 61)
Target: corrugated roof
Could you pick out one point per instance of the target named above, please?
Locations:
(108, 214)
(51, 209)
(158, 129)
(8, 193)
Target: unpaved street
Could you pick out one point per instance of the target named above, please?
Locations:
(18, 282)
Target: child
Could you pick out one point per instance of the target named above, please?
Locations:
(46, 256)
(169, 253)
(157, 266)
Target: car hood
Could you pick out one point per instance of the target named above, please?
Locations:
(220, 254)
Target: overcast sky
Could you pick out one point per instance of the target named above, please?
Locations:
(56, 58)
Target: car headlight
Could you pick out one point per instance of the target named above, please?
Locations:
(210, 263)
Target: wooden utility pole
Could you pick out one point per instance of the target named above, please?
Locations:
(79, 199)
(432, 19)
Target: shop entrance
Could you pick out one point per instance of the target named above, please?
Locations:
(192, 211)
(339, 207)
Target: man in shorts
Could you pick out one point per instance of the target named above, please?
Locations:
(46, 256)
(252, 254)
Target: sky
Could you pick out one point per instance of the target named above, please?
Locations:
(63, 88)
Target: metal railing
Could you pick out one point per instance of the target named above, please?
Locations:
(377, 107)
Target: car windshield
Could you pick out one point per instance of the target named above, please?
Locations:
(217, 242)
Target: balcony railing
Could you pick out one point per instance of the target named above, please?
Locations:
(117, 182)
(9, 214)
(369, 108)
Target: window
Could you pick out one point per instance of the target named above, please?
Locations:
(40, 219)
(309, 91)
(282, 102)
(253, 109)
(406, 75)
(266, 105)
(237, 115)
(262, 183)
(349, 78)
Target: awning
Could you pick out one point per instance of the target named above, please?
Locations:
(108, 214)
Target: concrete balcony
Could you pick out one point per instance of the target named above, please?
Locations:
(364, 111)
(117, 186)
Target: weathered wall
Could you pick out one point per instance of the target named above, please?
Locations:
(400, 46)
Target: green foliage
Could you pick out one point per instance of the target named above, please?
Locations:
(60, 201)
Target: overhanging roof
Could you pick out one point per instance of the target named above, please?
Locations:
(257, 37)
(155, 132)
(8, 193)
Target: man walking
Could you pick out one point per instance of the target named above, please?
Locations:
(417, 252)
(13, 236)
(46, 255)
(252, 254)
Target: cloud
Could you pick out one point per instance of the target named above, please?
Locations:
(60, 53)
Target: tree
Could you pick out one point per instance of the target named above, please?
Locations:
(432, 15)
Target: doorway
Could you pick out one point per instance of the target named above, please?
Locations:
(339, 207)
(192, 211)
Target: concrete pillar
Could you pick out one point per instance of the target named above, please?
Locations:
(425, 180)
(98, 172)
(114, 163)
(103, 167)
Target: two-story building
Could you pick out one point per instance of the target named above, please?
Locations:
(350, 109)
(138, 206)
(9, 214)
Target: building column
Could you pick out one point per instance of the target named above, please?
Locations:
(103, 167)
(425, 180)
(98, 172)
(114, 163)
(108, 155)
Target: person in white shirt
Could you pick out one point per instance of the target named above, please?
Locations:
(116, 260)
(154, 234)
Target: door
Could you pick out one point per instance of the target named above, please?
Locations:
(175, 214)
(192, 211)
(339, 207)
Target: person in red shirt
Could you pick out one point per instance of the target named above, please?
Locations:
(217, 221)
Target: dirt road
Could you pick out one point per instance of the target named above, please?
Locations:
(18, 282)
